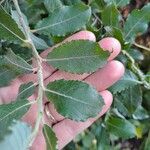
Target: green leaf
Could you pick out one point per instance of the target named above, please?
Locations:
(50, 137)
(119, 3)
(78, 56)
(74, 99)
(147, 142)
(121, 127)
(18, 137)
(128, 80)
(128, 100)
(26, 90)
(11, 66)
(116, 33)
(65, 20)
(110, 16)
(103, 140)
(38, 42)
(12, 111)
(137, 22)
(140, 113)
(52, 5)
(9, 29)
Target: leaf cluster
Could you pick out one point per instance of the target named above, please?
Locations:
(49, 22)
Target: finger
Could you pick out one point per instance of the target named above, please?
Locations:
(107, 76)
(112, 45)
(39, 143)
(9, 93)
(66, 130)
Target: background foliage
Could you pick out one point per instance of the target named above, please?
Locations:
(126, 125)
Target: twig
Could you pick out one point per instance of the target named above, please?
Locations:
(39, 72)
(137, 70)
(141, 46)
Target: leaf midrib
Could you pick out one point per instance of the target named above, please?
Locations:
(13, 111)
(11, 32)
(66, 96)
(134, 26)
(70, 58)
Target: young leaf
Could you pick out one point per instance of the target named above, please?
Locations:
(78, 56)
(137, 22)
(110, 16)
(74, 99)
(9, 29)
(128, 100)
(50, 137)
(17, 139)
(121, 127)
(9, 112)
(128, 80)
(11, 66)
(65, 20)
(52, 5)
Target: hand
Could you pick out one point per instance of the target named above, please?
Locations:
(66, 129)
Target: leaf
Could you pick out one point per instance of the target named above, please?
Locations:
(52, 5)
(128, 80)
(12, 111)
(137, 22)
(103, 140)
(147, 142)
(74, 99)
(38, 42)
(50, 137)
(9, 29)
(11, 66)
(116, 33)
(18, 137)
(26, 90)
(119, 3)
(140, 113)
(65, 20)
(78, 57)
(110, 16)
(121, 127)
(128, 100)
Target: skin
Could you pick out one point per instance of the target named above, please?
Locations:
(102, 79)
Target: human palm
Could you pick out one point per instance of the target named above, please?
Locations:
(102, 79)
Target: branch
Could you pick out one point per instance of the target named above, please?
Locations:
(140, 74)
(141, 46)
(39, 72)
